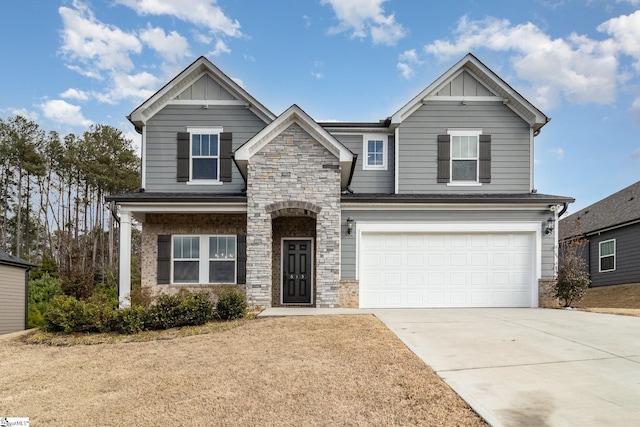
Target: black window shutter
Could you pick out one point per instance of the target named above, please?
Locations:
(485, 158)
(444, 150)
(164, 260)
(225, 156)
(183, 156)
(242, 259)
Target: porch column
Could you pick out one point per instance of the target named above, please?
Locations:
(124, 270)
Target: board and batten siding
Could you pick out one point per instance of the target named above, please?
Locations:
(348, 242)
(161, 143)
(510, 147)
(627, 257)
(12, 299)
(372, 180)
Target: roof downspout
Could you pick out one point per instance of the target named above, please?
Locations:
(353, 169)
(564, 209)
(244, 178)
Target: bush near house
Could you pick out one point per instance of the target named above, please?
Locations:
(42, 290)
(100, 314)
(573, 278)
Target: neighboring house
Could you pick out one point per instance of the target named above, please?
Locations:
(612, 228)
(432, 207)
(14, 278)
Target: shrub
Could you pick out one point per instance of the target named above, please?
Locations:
(231, 305)
(573, 278)
(41, 293)
(141, 296)
(183, 309)
(130, 320)
(67, 314)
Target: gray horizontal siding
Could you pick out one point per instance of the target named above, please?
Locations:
(12, 299)
(510, 146)
(369, 181)
(627, 257)
(161, 145)
(348, 242)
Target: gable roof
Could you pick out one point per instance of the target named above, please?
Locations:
(498, 90)
(617, 210)
(6, 259)
(199, 68)
(295, 114)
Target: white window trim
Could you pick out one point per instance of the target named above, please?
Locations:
(365, 150)
(600, 256)
(203, 260)
(211, 130)
(464, 132)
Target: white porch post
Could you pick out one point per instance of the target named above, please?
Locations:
(124, 275)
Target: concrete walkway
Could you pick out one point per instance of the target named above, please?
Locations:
(531, 367)
(525, 367)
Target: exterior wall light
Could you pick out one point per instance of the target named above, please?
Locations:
(350, 222)
(551, 222)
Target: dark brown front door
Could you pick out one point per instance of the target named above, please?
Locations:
(296, 272)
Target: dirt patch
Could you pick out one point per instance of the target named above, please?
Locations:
(317, 370)
(617, 299)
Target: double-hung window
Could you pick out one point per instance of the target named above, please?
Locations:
(205, 154)
(186, 259)
(204, 259)
(608, 255)
(375, 151)
(464, 156)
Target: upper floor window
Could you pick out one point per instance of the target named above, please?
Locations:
(204, 156)
(464, 157)
(375, 151)
(608, 255)
(205, 153)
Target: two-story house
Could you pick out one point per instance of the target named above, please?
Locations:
(432, 207)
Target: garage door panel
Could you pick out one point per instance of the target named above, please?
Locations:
(446, 270)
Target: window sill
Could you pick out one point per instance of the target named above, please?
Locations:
(204, 182)
(464, 184)
(374, 168)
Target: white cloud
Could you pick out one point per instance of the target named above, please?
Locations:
(625, 31)
(76, 94)
(220, 48)
(238, 81)
(96, 45)
(405, 70)
(364, 18)
(62, 112)
(578, 69)
(317, 75)
(559, 152)
(138, 87)
(29, 115)
(173, 47)
(205, 13)
(635, 109)
(406, 60)
(636, 154)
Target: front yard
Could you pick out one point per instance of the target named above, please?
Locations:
(316, 370)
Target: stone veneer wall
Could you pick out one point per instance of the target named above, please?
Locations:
(293, 167)
(159, 224)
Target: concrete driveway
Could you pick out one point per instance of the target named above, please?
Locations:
(531, 367)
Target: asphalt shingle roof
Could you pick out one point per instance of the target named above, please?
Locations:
(616, 210)
(7, 259)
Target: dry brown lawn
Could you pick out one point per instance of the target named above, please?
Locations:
(618, 299)
(289, 371)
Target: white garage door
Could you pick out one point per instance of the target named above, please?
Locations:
(446, 270)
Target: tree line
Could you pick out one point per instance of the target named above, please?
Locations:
(52, 191)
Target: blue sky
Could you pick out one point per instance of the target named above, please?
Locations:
(72, 63)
